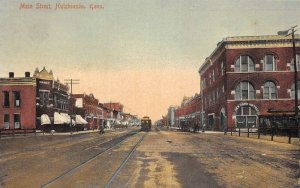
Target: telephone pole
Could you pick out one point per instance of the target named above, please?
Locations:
(71, 82)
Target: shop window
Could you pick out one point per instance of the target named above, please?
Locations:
(244, 64)
(246, 117)
(17, 121)
(6, 121)
(17, 98)
(244, 90)
(5, 98)
(269, 63)
(270, 90)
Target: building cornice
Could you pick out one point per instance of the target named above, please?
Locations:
(246, 42)
(18, 81)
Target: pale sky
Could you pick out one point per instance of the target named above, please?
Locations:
(142, 53)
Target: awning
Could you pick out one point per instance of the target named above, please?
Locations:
(80, 120)
(66, 117)
(45, 120)
(59, 119)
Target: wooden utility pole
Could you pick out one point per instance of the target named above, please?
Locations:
(71, 82)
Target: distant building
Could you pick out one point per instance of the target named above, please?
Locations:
(88, 107)
(189, 111)
(245, 77)
(17, 96)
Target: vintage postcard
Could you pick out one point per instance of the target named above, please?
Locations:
(149, 93)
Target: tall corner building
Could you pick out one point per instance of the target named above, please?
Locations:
(245, 77)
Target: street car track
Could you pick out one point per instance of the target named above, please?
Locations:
(119, 140)
(108, 184)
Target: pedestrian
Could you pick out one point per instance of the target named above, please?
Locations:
(101, 129)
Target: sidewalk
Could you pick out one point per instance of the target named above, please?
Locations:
(40, 133)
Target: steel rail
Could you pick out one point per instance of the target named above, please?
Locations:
(108, 184)
(73, 169)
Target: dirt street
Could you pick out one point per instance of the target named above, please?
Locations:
(161, 159)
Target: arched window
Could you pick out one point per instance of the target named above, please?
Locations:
(246, 117)
(270, 90)
(293, 90)
(244, 90)
(269, 63)
(297, 63)
(244, 64)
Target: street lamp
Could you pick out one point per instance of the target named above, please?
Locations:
(288, 32)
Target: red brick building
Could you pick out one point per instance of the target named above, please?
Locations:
(245, 77)
(88, 107)
(189, 111)
(17, 109)
(116, 106)
(52, 102)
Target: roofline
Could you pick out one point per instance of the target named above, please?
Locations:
(249, 39)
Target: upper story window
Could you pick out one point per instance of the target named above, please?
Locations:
(297, 63)
(293, 90)
(244, 64)
(17, 99)
(269, 63)
(270, 90)
(222, 68)
(44, 97)
(5, 98)
(244, 90)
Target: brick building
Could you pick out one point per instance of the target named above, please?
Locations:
(88, 107)
(245, 77)
(52, 102)
(189, 111)
(17, 109)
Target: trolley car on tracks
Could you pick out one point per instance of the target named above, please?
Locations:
(145, 124)
(279, 123)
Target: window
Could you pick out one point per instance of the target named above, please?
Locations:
(213, 75)
(41, 98)
(222, 68)
(246, 117)
(270, 90)
(17, 121)
(17, 98)
(244, 90)
(6, 121)
(297, 63)
(55, 102)
(44, 97)
(269, 63)
(244, 64)
(6, 98)
(293, 90)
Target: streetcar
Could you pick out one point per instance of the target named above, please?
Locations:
(279, 123)
(145, 124)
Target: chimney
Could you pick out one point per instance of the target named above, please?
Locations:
(27, 74)
(11, 74)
